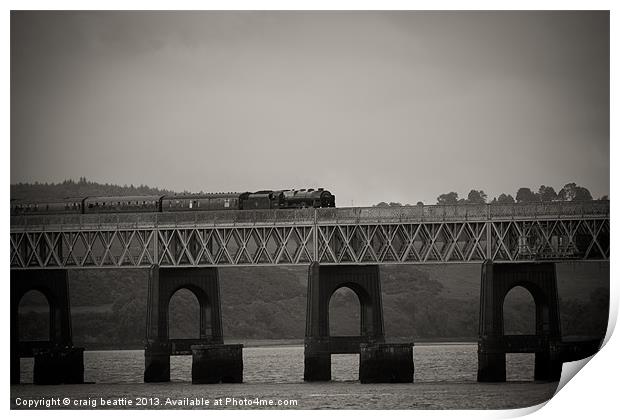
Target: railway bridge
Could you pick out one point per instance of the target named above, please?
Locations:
(343, 247)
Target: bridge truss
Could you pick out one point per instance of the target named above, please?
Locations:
(402, 235)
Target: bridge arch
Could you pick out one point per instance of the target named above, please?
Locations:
(543, 304)
(204, 308)
(53, 285)
(519, 319)
(518, 312)
(365, 306)
(344, 313)
(39, 328)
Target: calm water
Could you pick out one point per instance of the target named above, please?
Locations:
(445, 377)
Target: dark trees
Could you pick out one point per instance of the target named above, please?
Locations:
(546, 194)
(525, 195)
(449, 198)
(476, 197)
(505, 199)
(574, 192)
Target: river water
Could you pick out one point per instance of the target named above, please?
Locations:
(445, 378)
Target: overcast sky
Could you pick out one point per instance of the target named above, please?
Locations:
(374, 106)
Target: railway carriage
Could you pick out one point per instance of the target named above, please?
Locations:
(55, 206)
(123, 204)
(201, 202)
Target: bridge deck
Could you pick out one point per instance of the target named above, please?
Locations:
(352, 215)
(375, 235)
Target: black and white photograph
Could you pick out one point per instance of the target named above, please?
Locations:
(306, 209)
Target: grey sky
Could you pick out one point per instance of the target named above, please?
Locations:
(375, 106)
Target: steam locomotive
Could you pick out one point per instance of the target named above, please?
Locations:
(266, 199)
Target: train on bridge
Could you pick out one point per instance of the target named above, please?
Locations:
(266, 199)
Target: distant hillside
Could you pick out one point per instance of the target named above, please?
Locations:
(81, 188)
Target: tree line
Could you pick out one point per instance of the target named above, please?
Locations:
(545, 194)
(80, 188)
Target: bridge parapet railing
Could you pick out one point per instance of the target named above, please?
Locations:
(119, 220)
(368, 214)
(236, 218)
(84, 221)
(352, 215)
(551, 210)
(596, 208)
(239, 217)
(458, 212)
(398, 214)
(165, 219)
(461, 212)
(45, 220)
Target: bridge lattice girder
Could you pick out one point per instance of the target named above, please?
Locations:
(310, 237)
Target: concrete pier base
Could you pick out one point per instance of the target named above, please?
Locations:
(491, 367)
(547, 366)
(59, 366)
(217, 363)
(386, 363)
(157, 362)
(317, 367)
(15, 367)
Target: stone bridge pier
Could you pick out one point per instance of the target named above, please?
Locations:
(56, 360)
(379, 362)
(208, 351)
(540, 280)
